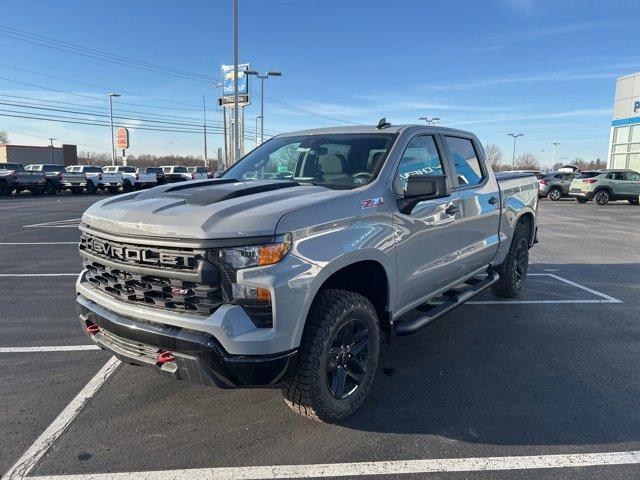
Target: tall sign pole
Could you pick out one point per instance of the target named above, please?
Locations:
(204, 128)
(236, 125)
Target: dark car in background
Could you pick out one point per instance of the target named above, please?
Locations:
(555, 185)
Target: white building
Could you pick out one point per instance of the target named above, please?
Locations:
(624, 144)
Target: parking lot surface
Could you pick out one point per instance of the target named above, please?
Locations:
(545, 386)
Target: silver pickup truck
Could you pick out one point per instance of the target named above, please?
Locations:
(14, 178)
(350, 236)
(75, 182)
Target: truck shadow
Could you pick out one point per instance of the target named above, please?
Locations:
(527, 374)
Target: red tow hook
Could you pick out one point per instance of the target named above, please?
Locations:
(165, 357)
(92, 329)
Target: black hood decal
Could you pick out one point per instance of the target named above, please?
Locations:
(207, 192)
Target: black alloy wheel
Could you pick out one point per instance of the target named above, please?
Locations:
(347, 359)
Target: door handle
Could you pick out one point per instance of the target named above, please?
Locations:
(451, 210)
(493, 200)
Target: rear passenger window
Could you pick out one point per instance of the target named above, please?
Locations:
(615, 176)
(420, 158)
(466, 161)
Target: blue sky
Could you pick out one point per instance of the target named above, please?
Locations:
(546, 68)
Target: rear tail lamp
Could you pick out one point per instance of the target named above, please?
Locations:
(590, 180)
(137, 176)
(15, 174)
(193, 176)
(100, 177)
(543, 182)
(59, 175)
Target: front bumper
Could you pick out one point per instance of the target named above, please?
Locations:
(198, 357)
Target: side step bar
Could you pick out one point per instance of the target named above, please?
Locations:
(453, 300)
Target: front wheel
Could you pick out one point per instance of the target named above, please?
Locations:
(513, 272)
(634, 201)
(337, 359)
(602, 197)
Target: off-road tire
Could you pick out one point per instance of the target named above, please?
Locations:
(513, 274)
(602, 197)
(307, 392)
(5, 189)
(581, 200)
(633, 201)
(127, 187)
(554, 194)
(112, 189)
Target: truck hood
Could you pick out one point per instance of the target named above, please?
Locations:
(204, 209)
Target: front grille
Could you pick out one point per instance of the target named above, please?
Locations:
(153, 290)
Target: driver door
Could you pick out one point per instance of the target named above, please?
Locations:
(426, 238)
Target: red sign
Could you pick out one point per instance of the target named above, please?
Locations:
(122, 135)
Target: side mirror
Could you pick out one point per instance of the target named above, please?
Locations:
(423, 187)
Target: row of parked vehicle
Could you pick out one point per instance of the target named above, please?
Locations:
(50, 178)
(602, 186)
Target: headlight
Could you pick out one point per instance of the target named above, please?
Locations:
(256, 255)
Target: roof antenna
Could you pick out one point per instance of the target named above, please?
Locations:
(383, 124)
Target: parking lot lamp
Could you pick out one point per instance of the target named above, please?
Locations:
(515, 138)
(51, 141)
(113, 145)
(555, 144)
(270, 73)
(433, 121)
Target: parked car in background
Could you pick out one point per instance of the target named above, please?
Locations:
(198, 173)
(555, 185)
(606, 185)
(131, 178)
(13, 177)
(161, 180)
(97, 179)
(176, 173)
(74, 181)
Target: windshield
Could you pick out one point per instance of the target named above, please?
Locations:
(179, 169)
(127, 169)
(333, 160)
(588, 174)
(10, 166)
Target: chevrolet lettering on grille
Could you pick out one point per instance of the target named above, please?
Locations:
(136, 254)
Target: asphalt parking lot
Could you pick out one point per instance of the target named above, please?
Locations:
(546, 386)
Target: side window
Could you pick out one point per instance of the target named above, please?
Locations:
(615, 176)
(633, 176)
(420, 158)
(466, 161)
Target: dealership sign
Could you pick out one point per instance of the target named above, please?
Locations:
(227, 84)
(636, 106)
(122, 136)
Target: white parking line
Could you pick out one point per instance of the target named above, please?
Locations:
(38, 243)
(39, 274)
(69, 223)
(362, 469)
(35, 452)
(604, 298)
(55, 348)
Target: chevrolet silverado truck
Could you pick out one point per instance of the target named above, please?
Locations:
(97, 179)
(13, 177)
(132, 179)
(63, 180)
(176, 173)
(236, 282)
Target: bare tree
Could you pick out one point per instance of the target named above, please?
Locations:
(4, 137)
(494, 155)
(527, 161)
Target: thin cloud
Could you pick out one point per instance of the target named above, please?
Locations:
(583, 112)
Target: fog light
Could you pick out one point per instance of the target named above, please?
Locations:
(256, 293)
(256, 302)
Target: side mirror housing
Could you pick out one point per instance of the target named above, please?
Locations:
(423, 187)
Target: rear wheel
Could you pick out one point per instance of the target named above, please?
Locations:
(50, 188)
(91, 188)
(554, 194)
(337, 359)
(602, 197)
(127, 187)
(633, 201)
(513, 272)
(5, 189)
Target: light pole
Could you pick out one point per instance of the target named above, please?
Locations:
(256, 132)
(113, 145)
(236, 125)
(542, 157)
(555, 144)
(224, 124)
(433, 121)
(515, 137)
(51, 141)
(270, 73)
(204, 129)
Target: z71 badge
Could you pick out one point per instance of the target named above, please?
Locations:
(371, 202)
